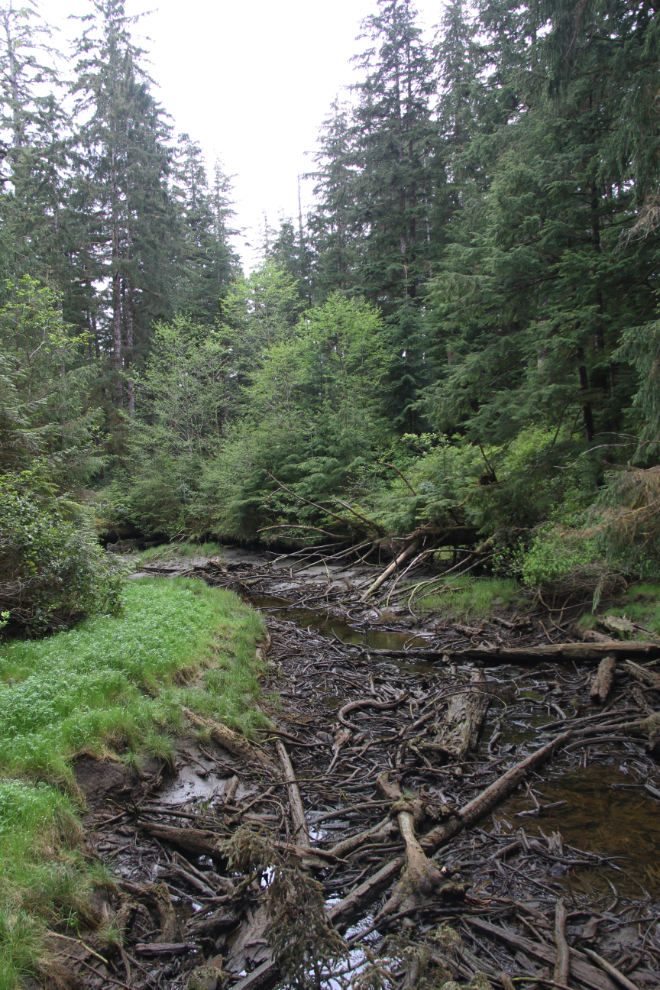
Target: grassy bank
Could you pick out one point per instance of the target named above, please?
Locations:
(109, 686)
(179, 551)
(464, 597)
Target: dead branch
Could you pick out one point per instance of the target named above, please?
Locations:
(563, 955)
(295, 801)
(408, 552)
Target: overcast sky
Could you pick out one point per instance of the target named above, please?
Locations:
(252, 81)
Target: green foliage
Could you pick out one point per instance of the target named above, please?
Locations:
(641, 604)
(43, 386)
(640, 347)
(52, 571)
(554, 555)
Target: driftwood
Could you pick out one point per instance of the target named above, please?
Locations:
(203, 842)
(301, 832)
(563, 954)
(233, 743)
(603, 680)
(611, 970)
(580, 969)
(459, 733)
(394, 566)
(649, 678)
(422, 875)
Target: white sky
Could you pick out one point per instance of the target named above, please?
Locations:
(252, 81)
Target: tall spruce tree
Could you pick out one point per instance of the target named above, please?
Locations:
(124, 161)
(207, 261)
(393, 140)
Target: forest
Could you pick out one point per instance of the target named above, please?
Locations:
(436, 396)
(459, 339)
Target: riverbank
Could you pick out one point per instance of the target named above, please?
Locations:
(109, 690)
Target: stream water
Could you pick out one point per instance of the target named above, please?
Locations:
(607, 809)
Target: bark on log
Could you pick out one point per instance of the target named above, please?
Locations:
(649, 678)
(460, 731)
(603, 679)
(567, 651)
(408, 552)
(233, 743)
(301, 832)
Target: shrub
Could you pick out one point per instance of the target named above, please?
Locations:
(569, 564)
(52, 572)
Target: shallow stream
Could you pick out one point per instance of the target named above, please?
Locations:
(607, 809)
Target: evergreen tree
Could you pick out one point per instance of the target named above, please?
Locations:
(207, 261)
(393, 140)
(124, 162)
(333, 227)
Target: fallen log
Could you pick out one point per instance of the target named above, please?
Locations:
(579, 968)
(532, 654)
(232, 742)
(164, 948)
(459, 733)
(649, 678)
(564, 651)
(202, 842)
(483, 803)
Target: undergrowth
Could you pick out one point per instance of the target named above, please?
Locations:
(111, 685)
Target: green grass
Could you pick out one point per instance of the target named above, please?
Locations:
(640, 604)
(180, 551)
(467, 597)
(109, 685)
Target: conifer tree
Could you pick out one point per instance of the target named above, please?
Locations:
(393, 138)
(124, 163)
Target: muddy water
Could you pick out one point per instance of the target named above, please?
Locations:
(607, 810)
(331, 625)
